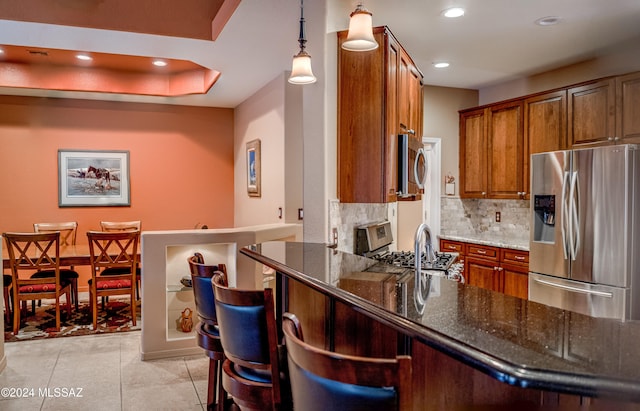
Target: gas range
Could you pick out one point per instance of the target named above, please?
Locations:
(407, 259)
(373, 241)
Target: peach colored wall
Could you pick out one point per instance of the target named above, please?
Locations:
(181, 161)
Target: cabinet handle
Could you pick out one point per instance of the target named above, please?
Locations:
(484, 193)
(609, 138)
(482, 252)
(519, 257)
(616, 138)
(451, 247)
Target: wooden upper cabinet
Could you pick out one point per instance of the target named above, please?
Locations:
(473, 154)
(545, 127)
(491, 152)
(628, 108)
(506, 141)
(591, 113)
(410, 98)
(362, 124)
(375, 92)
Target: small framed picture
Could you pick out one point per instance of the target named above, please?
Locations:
(93, 178)
(253, 169)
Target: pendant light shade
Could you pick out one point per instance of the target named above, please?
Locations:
(360, 36)
(301, 67)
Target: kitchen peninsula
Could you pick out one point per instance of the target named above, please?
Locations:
(470, 347)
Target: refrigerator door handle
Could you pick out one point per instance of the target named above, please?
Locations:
(574, 289)
(564, 217)
(575, 198)
(575, 216)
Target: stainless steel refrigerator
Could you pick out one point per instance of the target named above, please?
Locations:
(585, 234)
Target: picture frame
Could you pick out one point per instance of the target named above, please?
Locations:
(93, 178)
(254, 178)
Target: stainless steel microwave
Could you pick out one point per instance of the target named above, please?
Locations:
(412, 167)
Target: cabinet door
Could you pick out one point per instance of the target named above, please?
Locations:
(628, 108)
(362, 138)
(473, 154)
(506, 151)
(482, 273)
(591, 110)
(516, 281)
(545, 127)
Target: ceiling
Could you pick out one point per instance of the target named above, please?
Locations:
(495, 41)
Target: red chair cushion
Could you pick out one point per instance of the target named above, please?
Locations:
(37, 288)
(112, 284)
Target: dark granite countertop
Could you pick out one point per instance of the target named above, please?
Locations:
(516, 341)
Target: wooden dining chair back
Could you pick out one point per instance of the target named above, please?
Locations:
(252, 369)
(68, 233)
(68, 230)
(119, 226)
(324, 380)
(207, 331)
(115, 226)
(29, 254)
(117, 252)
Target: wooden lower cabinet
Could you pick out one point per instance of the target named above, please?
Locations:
(483, 274)
(439, 382)
(498, 269)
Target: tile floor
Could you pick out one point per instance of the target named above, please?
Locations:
(109, 371)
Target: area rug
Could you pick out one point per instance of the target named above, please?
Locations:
(116, 317)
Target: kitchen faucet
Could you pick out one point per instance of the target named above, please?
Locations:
(422, 283)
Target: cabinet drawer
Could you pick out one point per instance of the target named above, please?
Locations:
(452, 247)
(514, 256)
(488, 253)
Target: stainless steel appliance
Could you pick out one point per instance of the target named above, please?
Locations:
(373, 240)
(412, 166)
(585, 231)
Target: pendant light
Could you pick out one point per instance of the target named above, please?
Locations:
(301, 68)
(360, 36)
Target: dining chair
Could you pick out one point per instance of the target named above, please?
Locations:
(115, 226)
(68, 232)
(7, 285)
(118, 226)
(324, 380)
(207, 331)
(252, 372)
(116, 255)
(31, 253)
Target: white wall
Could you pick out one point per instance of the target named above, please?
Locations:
(262, 116)
(622, 59)
(441, 105)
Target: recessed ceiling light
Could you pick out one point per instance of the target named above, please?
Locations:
(83, 57)
(453, 12)
(548, 21)
(159, 63)
(441, 64)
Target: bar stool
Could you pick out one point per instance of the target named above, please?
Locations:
(252, 372)
(207, 332)
(324, 380)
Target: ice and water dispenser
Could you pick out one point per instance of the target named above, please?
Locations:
(544, 211)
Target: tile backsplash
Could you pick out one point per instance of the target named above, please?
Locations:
(347, 216)
(461, 217)
(458, 217)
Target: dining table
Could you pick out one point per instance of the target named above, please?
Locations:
(70, 255)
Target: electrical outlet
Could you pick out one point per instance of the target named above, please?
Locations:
(334, 234)
(497, 216)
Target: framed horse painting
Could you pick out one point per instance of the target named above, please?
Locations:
(93, 178)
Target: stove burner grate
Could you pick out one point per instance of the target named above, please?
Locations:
(407, 259)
